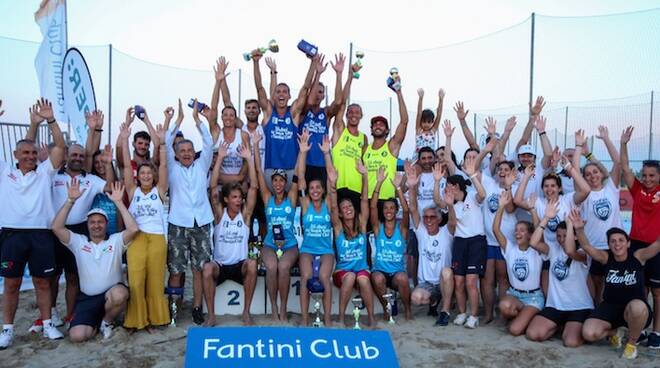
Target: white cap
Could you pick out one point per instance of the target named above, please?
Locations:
(526, 149)
(97, 211)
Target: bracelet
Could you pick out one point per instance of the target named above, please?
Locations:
(376, 191)
(542, 227)
(275, 72)
(579, 145)
(473, 175)
(72, 201)
(98, 130)
(567, 166)
(542, 133)
(51, 121)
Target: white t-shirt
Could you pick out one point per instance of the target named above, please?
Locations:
(425, 192)
(27, 201)
(99, 265)
(490, 206)
(262, 142)
(567, 184)
(90, 186)
(533, 186)
(469, 216)
(567, 286)
(230, 239)
(233, 162)
(523, 267)
(434, 253)
(565, 204)
(147, 210)
(601, 211)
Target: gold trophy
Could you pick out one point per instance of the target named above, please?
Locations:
(272, 47)
(393, 80)
(357, 303)
(359, 55)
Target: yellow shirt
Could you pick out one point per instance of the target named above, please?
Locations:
(344, 153)
(373, 160)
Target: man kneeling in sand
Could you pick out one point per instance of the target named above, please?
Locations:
(103, 295)
(434, 241)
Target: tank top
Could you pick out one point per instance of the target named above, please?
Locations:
(147, 210)
(390, 251)
(426, 139)
(344, 154)
(262, 143)
(317, 125)
(373, 160)
(351, 254)
(280, 214)
(624, 281)
(281, 141)
(233, 162)
(317, 231)
(230, 239)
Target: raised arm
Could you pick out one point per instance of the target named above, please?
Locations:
(504, 139)
(94, 129)
(438, 110)
(45, 111)
(364, 200)
(582, 189)
(539, 125)
(215, 181)
(338, 67)
(628, 175)
(373, 204)
(449, 131)
(206, 157)
(122, 146)
(106, 159)
(163, 183)
(472, 170)
(598, 255)
(400, 133)
(569, 245)
(534, 112)
(316, 64)
(452, 221)
(128, 120)
(264, 103)
(59, 227)
(246, 153)
(461, 114)
(438, 174)
(615, 173)
(303, 143)
(405, 219)
(412, 181)
(332, 198)
(130, 226)
(35, 121)
(519, 198)
(420, 108)
(504, 201)
(263, 188)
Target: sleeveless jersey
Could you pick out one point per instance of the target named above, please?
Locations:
(147, 210)
(230, 239)
(390, 251)
(373, 160)
(351, 254)
(317, 125)
(317, 231)
(280, 214)
(281, 141)
(233, 162)
(344, 154)
(624, 281)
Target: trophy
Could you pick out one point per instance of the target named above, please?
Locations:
(254, 247)
(174, 295)
(140, 112)
(309, 49)
(389, 307)
(200, 105)
(357, 303)
(278, 237)
(393, 80)
(316, 289)
(173, 312)
(272, 47)
(359, 55)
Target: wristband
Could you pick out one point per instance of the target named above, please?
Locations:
(98, 130)
(542, 133)
(51, 121)
(542, 227)
(567, 166)
(294, 179)
(72, 201)
(473, 175)
(275, 72)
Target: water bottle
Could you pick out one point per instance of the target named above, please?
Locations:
(309, 49)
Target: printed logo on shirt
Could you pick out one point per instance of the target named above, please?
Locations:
(86, 248)
(493, 202)
(12, 177)
(560, 270)
(397, 243)
(628, 278)
(287, 209)
(521, 268)
(321, 116)
(602, 209)
(553, 224)
(435, 243)
(287, 121)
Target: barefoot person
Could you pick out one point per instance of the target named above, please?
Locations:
(230, 237)
(103, 295)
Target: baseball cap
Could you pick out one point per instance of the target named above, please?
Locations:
(97, 211)
(280, 172)
(526, 149)
(379, 118)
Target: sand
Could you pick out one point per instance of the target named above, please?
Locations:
(417, 343)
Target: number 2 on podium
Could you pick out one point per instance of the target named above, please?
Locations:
(233, 294)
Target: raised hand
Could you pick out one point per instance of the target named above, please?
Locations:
(509, 179)
(438, 172)
(130, 116)
(510, 124)
(470, 165)
(255, 138)
(169, 113)
(338, 65)
(397, 180)
(531, 202)
(441, 94)
(603, 133)
(581, 141)
(551, 208)
(505, 198)
(246, 152)
(73, 189)
(94, 119)
(332, 178)
(35, 119)
(220, 69)
(195, 113)
(210, 114)
(447, 129)
(45, 109)
(490, 126)
(565, 163)
(42, 155)
(124, 132)
(529, 170)
(575, 218)
(106, 156)
(461, 113)
(325, 145)
(381, 175)
(490, 146)
(449, 196)
(420, 92)
(223, 150)
(270, 63)
(160, 132)
(556, 156)
(540, 123)
(411, 175)
(303, 141)
(360, 167)
(538, 106)
(179, 112)
(117, 194)
(319, 64)
(627, 133)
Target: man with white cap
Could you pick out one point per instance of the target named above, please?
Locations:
(102, 294)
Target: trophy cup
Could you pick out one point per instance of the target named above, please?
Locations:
(278, 237)
(173, 312)
(316, 289)
(175, 295)
(200, 105)
(359, 55)
(254, 247)
(309, 49)
(393, 80)
(390, 300)
(272, 47)
(357, 303)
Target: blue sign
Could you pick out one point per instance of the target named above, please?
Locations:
(288, 347)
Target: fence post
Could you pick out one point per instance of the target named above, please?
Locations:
(110, 94)
(651, 129)
(474, 126)
(240, 101)
(565, 126)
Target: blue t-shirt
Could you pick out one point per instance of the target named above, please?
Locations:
(102, 201)
(390, 251)
(317, 125)
(317, 231)
(281, 141)
(282, 214)
(351, 254)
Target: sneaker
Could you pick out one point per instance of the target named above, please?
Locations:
(433, 310)
(616, 340)
(37, 326)
(55, 318)
(106, 330)
(472, 322)
(51, 332)
(654, 340)
(629, 352)
(198, 315)
(460, 319)
(443, 319)
(643, 336)
(6, 338)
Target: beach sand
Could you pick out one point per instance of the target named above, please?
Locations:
(417, 343)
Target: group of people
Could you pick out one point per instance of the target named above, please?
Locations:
(541, 238)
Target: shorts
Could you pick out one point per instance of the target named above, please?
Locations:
(545, 266)
(560, 317)
(316, 173)
(389, 278)
(613, 313)
(89, 309)
(185, 243)
(597, 269)
(64, 258)
(468, 256)
(269, 180)
(338, 276)
(528, 298)
(413, 245)
(651, 267)
(433, 289)
(230, 272)
(34, 247)
(354, 197)
(495, 252)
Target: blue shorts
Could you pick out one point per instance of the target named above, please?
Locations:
(532, 298)
(495, 252)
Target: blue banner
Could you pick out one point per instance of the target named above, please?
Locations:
(288, 347)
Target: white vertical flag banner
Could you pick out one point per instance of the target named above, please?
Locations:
(79, 97)
(51, 18)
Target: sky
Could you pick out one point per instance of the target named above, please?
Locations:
(489, 73)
